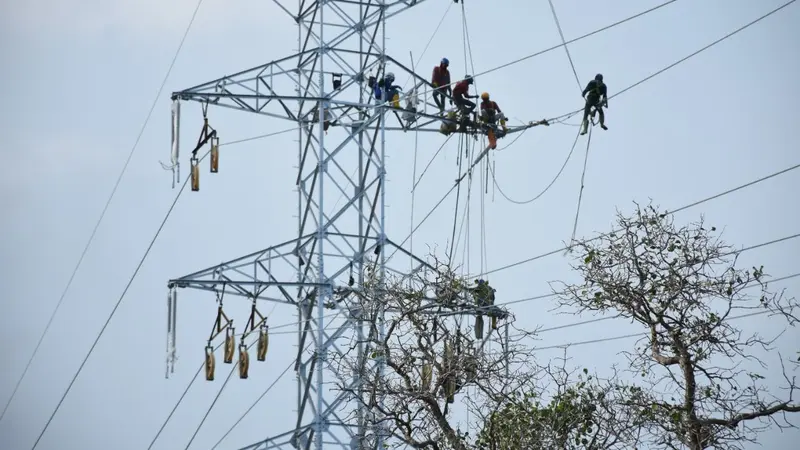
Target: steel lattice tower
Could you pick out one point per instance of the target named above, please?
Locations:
(341, 40)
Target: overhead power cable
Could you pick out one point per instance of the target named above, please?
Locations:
(601, 319)
(214, 402)
(682, 208)
(564, 44)
(628, 336)
(291, 364)
(116, 306)
(733, 252)
(175, 408)
(685, 58)
(102, 214)
(260, 397)
(547, 50)
(619, 93)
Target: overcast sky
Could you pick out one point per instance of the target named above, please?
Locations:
(79, 78)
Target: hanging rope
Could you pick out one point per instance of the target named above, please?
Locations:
(414, 187)
(580, 194)
(414, 173)
(453, 243)
(525, 202)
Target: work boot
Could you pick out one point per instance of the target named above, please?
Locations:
(584, 127)
(603, 126)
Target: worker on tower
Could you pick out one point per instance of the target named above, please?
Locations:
(491, 113)
(386, 85)
(441, 84)
(483, 294)
(461, 94)
(597, 98)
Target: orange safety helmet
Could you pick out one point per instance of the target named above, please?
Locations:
(485, 96)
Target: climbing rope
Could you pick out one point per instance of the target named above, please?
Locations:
(460, 161)
(414, 173)
(414, 187)
(580, 194)
(540, 194)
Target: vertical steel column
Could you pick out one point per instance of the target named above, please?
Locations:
(359, 262)
(382, 238)
(322, 293)
(299, 187)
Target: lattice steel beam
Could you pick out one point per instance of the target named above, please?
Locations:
(316, 271)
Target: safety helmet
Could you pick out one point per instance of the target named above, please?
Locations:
(480, 281)
(599, 77)
(389, 76)
(485, 96)
(445, 62)
(468, 79)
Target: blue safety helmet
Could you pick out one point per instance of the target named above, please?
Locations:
(599, 77)
(445, 61)
(480, 281)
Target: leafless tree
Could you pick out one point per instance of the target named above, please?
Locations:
(432, 354)
(682, 284)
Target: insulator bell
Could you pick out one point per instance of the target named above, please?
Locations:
(471, 367)
(244, 361)
(230, 345)
(450, 388)
(210, 363)
(479, 327)
(214, 155)
(263, 343)
(427, 376)
(195, 175)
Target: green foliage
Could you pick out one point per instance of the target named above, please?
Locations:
(568, 421)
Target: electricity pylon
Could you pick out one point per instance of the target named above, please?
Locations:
(326, 85)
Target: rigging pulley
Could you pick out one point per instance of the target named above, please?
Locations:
(221, 323)
(255, 321)
(207, 134)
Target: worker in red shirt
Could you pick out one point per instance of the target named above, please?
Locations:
(490, 111)
(461, 94)
(441, 83)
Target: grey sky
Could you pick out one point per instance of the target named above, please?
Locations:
(79, 79)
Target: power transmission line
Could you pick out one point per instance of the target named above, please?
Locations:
(682, 208)
(116, 306)
(601, 319)
(685, 58)
(447, 194)
(555, 47)
(627, 336)
(103, 213)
